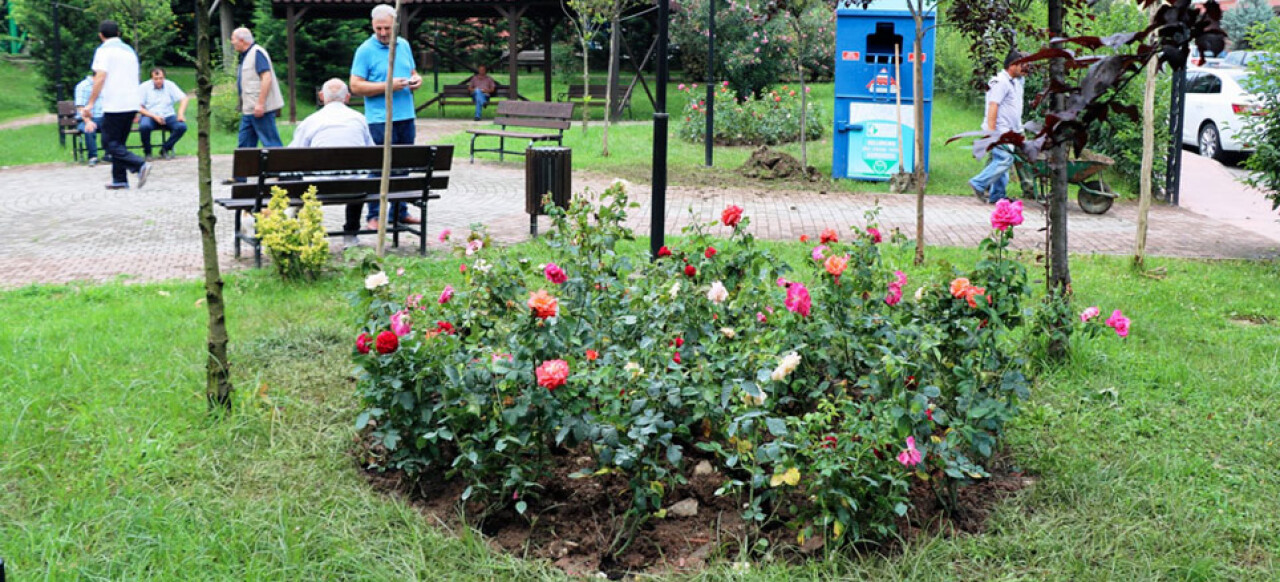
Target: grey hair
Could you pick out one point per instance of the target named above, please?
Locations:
(334, 90)
(242, 33)
(383, 11)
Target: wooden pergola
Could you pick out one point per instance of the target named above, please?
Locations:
(546, 13)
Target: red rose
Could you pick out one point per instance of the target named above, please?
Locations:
(710, 252)
(731, 216)
(664, 251)
(874, 233)
(804, 238)
(911, 382)
(928, 412)
(592, 355)
(445, 327)
(829, 236)
(552, 374)
(387, 342)
(676, 358)
(829, 442)
(690, 270)
(679, 342)
(362, 343)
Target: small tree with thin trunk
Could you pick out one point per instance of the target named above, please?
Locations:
(217, 367)
(587, 16)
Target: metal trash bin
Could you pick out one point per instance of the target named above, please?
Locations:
(546, 170)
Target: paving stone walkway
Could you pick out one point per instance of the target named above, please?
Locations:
(58, 224)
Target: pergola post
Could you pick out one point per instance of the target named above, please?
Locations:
(513, 47)
(548, 29)
(291, 23)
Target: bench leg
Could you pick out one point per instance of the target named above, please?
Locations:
(395, 226)
(502, 147)
(257, 253)
(422, 232)
(236, 237)
(533, 225)
(473, 147)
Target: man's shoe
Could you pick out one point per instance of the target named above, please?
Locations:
(230, 182)
(410, 219)
(143, 172)
(350, 240)
(477, 118)
(979, 194)
(166, 155)
(118, 186)
(93, 162)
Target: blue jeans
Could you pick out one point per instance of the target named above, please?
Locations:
(994, 179)
(255, 129)
(91, 137)
(115, 130)
(481, 99)
(147, 125)
(403, 132)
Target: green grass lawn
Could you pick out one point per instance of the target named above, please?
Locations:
(1154, 457)
(21, 94)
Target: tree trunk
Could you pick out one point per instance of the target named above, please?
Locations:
(586, 80)
(384, 184)
(615, 25)
(1058, 282)
(226, 22)
(917, 91)
(217, 368)
(804, 101)
(1148, 160)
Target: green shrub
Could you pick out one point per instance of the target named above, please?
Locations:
(224, 106)
(750, 52)
(298, 247)
(1263, 129)
(818, 394)
(771, 119)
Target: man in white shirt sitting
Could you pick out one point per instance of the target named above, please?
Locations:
(335, 125)
(158, 96)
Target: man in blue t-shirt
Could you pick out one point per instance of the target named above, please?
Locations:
(369, 80)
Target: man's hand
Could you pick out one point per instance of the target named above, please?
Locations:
(182, 118)
(414, 82)
(159, 120)
(90, 126)
(399, 83)
(259, 110)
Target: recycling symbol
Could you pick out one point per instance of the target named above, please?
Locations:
(880, 167)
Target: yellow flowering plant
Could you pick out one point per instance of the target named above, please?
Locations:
(298, 247)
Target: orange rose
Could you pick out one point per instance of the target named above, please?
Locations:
(958, 286)
(836, 264)
(542, 304)
(970, 292)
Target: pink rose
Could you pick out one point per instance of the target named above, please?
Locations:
(894, 296)
(552, 374)
(414, 301)
(444, 235)
(874, 233)
(910, 456)
(798, 300)
(400, 323)
(555, 274)
(445, 295)
(1089, 313)
(761, 318)
(1006, 214)
(1119, 322)
(819, 253)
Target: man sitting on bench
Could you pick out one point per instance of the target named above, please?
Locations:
(481, 86)
(335, 125)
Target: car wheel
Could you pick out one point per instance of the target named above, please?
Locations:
(1210, 144)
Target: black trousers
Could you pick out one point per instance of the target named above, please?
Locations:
(115, 132)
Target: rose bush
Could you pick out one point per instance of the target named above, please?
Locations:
(816, 399)
(771, 119)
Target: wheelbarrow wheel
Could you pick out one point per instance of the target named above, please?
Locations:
(1093, 203)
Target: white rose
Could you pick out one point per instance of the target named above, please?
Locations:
(717, 293)
(376, 280)
(786, 366)
(482, 266)
(919, 294)
(728, 332)
(675, 290)
(634, 368)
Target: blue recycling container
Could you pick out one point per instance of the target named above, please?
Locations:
(867, 84)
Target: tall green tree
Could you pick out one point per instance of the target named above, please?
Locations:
(146, 25)
(1240, 18)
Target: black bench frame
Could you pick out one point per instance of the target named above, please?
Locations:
(531, 114)
(341, 176)
(69, 126)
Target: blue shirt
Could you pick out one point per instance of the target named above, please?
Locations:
(84, 90)
(370, 64)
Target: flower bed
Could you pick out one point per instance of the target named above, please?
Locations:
(770, 119)
(813, 397)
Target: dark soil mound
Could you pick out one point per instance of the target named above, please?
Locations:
(769, 164)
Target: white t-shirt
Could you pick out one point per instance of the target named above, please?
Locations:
(120, 89)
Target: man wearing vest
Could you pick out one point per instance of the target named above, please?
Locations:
(369, 79)
(260, 98)
(115, 82)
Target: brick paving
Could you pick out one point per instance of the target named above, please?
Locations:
(58, 224)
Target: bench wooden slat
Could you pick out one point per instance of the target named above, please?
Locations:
(344, 186)
(536, 109)
(533, 122)
(246, 165)
(514, 134)
(248, 203)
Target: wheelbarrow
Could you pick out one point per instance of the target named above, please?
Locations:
(1093, 193)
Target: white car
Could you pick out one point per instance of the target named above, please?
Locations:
(1216, 107)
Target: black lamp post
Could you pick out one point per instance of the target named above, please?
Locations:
(711, 79)
(658, 212)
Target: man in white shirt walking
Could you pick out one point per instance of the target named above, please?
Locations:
(335, 125)
(1004, 114)
(158, 96)
(115, 82)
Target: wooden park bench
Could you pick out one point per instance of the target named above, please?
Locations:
(525, 114)
(341, 176)
(460, 95)
(576, 94)
(69, 127)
